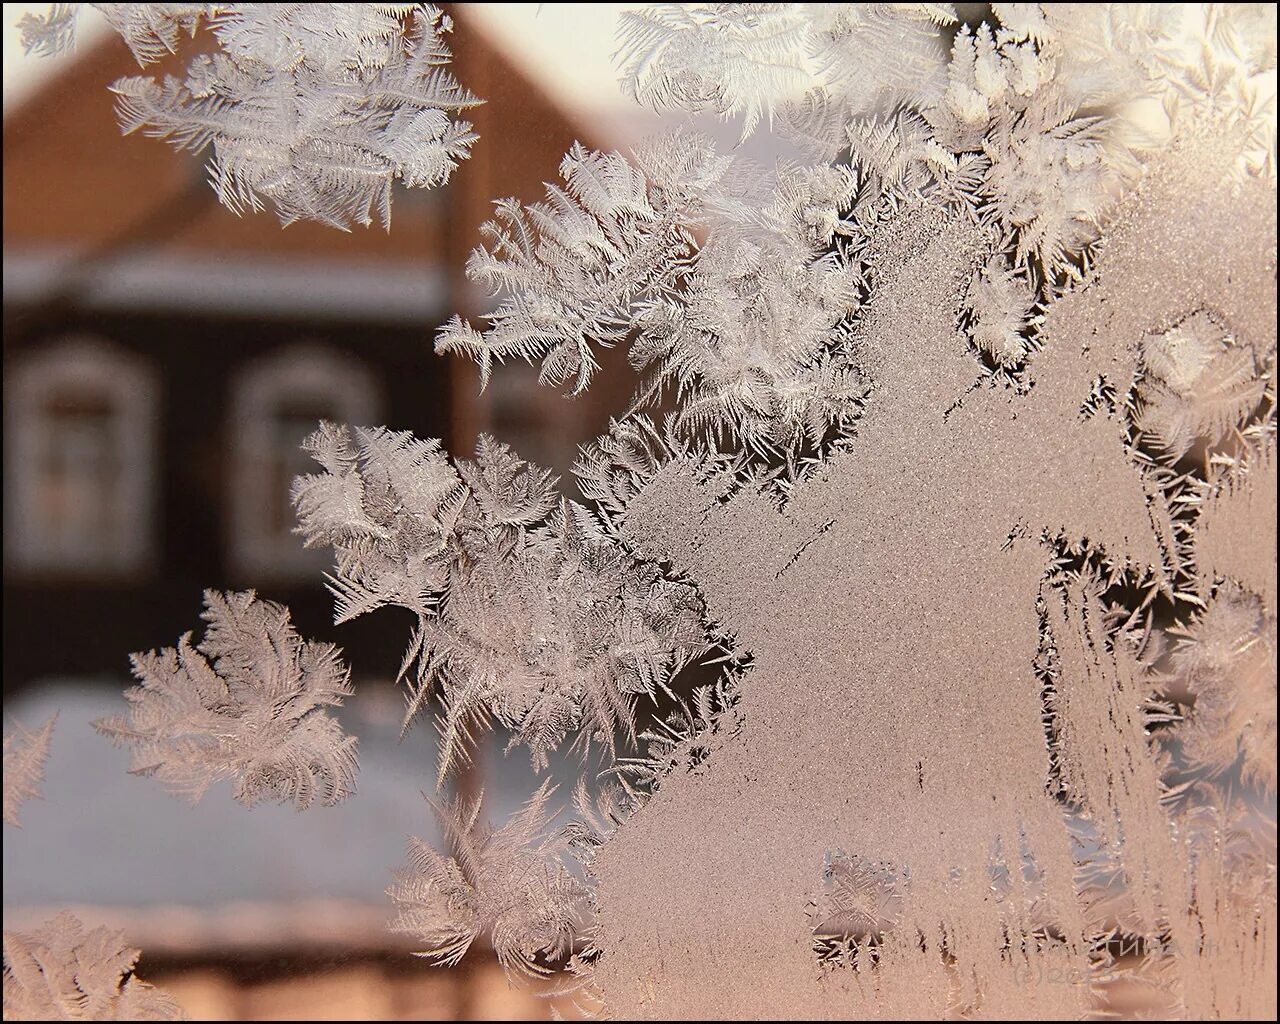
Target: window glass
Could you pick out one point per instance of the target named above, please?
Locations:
(81, 452)
(277, 402)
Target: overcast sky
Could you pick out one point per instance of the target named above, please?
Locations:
(568, 47)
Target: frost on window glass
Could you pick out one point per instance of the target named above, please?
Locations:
(915, 624)
(315, 109)
(63, 972)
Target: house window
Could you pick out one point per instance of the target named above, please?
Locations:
(276, 403)
(80, 420)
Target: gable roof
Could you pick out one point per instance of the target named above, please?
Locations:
(127, 219)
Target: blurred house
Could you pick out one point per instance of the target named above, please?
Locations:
(163, 359)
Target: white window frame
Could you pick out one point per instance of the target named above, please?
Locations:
(129, 384)
(311, 371)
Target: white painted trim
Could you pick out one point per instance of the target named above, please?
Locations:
(308, 370)
(130, 386)
(234, 284)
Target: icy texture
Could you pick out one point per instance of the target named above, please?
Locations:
(315, 109)
(956, 534)
(25, 753)
(1226, 657)
(749, 327)
(508, 885)
(247, 703)
(62, 972)
(751, 58)
(967, 474)
(528, 613)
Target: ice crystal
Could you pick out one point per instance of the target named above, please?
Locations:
(1199, 385)
(749, 327)
(859, 903)
(63, 972)
(528, 613)
(999, 306)
(387, 505)
(1227, 658)
(315, 109)
(25, 753)
(51, 33)
(249, 703)
(509, 885)
(751, 58)
(570, 270)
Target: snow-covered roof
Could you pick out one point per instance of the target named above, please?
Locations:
(117, 849)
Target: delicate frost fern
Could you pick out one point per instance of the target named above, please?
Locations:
(153, 31)
(387, 504)
(860, 902)
(1227, 658)
(730, 58)
(755, 346)
(247, 703)
(1206, 62)
(614, 467)
(510, 885)
(750, 59)
(1050, 181)
(749, 327)
(527, 612)
(999, 307)
(49, 34)
(556, 638)
(1198, 385)
(682, 740)
(874, 54)
(314, 108)
(986, 74)
(568, 271)
(62, 972)
(25, 753)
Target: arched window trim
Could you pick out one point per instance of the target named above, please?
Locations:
(308, 370)
(129, 384)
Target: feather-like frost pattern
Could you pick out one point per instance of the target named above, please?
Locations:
(249, 703)
(63, 971)
(315, 110)
(510, 885)
(25, 754)
(528, 613)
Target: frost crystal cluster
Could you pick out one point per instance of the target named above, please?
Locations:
(748, 327)
(248, 703)
(960, 463)
(63, 972)
(314, 108)
(507, 884)
(528, 613)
